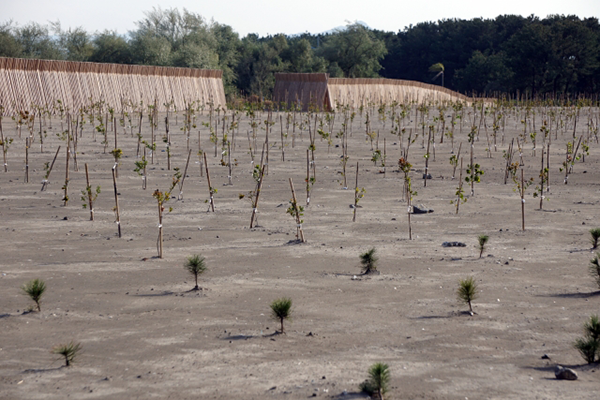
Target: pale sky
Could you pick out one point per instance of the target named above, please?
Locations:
(283, 16)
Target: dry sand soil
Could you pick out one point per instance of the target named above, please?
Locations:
(145, 335)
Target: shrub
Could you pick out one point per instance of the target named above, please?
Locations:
(35, 289)
(281, 309)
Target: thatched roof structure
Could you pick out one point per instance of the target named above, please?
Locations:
(26, 83)
(321, 92)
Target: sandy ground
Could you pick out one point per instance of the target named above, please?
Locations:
(144, 335)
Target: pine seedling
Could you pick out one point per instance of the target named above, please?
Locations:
(195, 265)
(69, 351)
(281, 309)
(379, 378)
(592, 327)
(467, 292)
(482, 241)
(595, 237)
(589, 345)
(588, 348)
(368, 261)
(595, 269)
(35, 290)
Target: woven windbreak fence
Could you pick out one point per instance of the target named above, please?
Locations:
(301, 90)
(28, 84)
(323, 93)
(364, 91)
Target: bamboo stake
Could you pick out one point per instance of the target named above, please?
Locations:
(210, 189)
(117, 211)
(256, 197)
(355, 195)
(548, 167)
(66, 186)
(145, 178)
(45, 181)
(230, 167)
(89, 192)
(307, 177)
(27, 160)
(180, 196)
(282, 144)
(299, 232)
(427, 159)
(4, 147)
(522, 200)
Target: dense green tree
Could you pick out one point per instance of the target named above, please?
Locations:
(9, 47)
(76, 44)
(509, 54)
(356, 50)
(110, 47)
(228, 51)
(36, 42)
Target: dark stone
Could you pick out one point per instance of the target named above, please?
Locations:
(453, 244)
(417, 210)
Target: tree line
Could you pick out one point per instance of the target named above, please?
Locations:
(558, 55)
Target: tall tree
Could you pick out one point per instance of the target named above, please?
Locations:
(355, 50)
